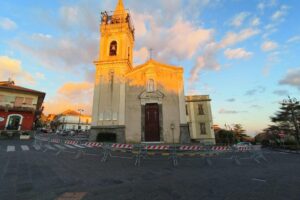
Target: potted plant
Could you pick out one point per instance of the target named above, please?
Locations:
(24, 136)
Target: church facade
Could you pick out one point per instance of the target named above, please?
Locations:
(131, 104)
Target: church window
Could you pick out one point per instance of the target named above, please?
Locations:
(200, 109)
(113, 48)
(186, 109)
(202, 129)
(150, 85)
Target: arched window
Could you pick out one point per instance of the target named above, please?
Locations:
(113, 48)
(150, 85)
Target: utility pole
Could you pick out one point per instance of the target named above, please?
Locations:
(291, 103)
(151, 53)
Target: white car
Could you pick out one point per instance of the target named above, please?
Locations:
(243, 144)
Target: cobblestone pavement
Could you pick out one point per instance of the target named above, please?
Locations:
(26, 173)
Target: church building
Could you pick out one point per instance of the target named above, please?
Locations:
(134, 104)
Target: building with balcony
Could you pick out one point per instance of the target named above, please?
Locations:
(72, 120)
(19, 107)
(199, 117)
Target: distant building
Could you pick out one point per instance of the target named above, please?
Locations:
(72, 120)
(199, 118)
(19, 107)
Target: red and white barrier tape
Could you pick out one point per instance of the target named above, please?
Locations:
(122, 146)
(157, 147)
(243, 149)
(191, 148)
(220, 148)
(55, 140)
(71, 142)
(93, 144)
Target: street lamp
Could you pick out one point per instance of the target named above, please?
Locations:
(291, 103)
(172, 126)
(79, 110)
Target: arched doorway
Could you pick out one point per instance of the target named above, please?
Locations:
(14, 122)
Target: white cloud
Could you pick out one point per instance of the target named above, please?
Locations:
(207, 60)
(294, 39)
(255, 21)
(65, 53)
(239, 19)
(7, 24)
(70, 14)
(40, 75)
(266, 4)
(164, 40)
(292, 78)
(226, 111)
(238, 53)
(280, 14)
(269, 46)
(261, 6)
(11, 68)
(71, 95)
(41, 36)
(232, 38)
(141, 55)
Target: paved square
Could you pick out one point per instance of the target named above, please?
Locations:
(31, 174)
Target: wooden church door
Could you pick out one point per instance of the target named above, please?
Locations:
(152, 123)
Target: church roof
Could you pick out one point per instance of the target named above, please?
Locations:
(155, 63)
(70, 112)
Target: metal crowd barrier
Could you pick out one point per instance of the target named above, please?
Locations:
(43, 143)
(148, 151)
(139, 152)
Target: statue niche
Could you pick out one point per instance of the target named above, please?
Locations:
(113, 48)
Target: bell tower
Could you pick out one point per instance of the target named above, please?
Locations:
(114, 61)
(117, 36)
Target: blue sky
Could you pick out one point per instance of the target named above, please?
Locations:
(244, 54)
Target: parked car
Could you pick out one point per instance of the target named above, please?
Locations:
(243, 144)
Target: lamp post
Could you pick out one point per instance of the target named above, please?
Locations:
(291, 103)
(79, 110)
(172, 126)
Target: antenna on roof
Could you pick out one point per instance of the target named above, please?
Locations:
(151, 53)
(10, 80)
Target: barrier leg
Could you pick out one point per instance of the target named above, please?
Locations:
(208, 161)
(138, 158)
(57, 153)
(237, 161)
(106, 153)
(79, 154)
(174, 157)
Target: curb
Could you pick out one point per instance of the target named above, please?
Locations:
(286, 151)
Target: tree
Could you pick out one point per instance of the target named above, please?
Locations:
(287, 119)
(239, 132)
(225, 137)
